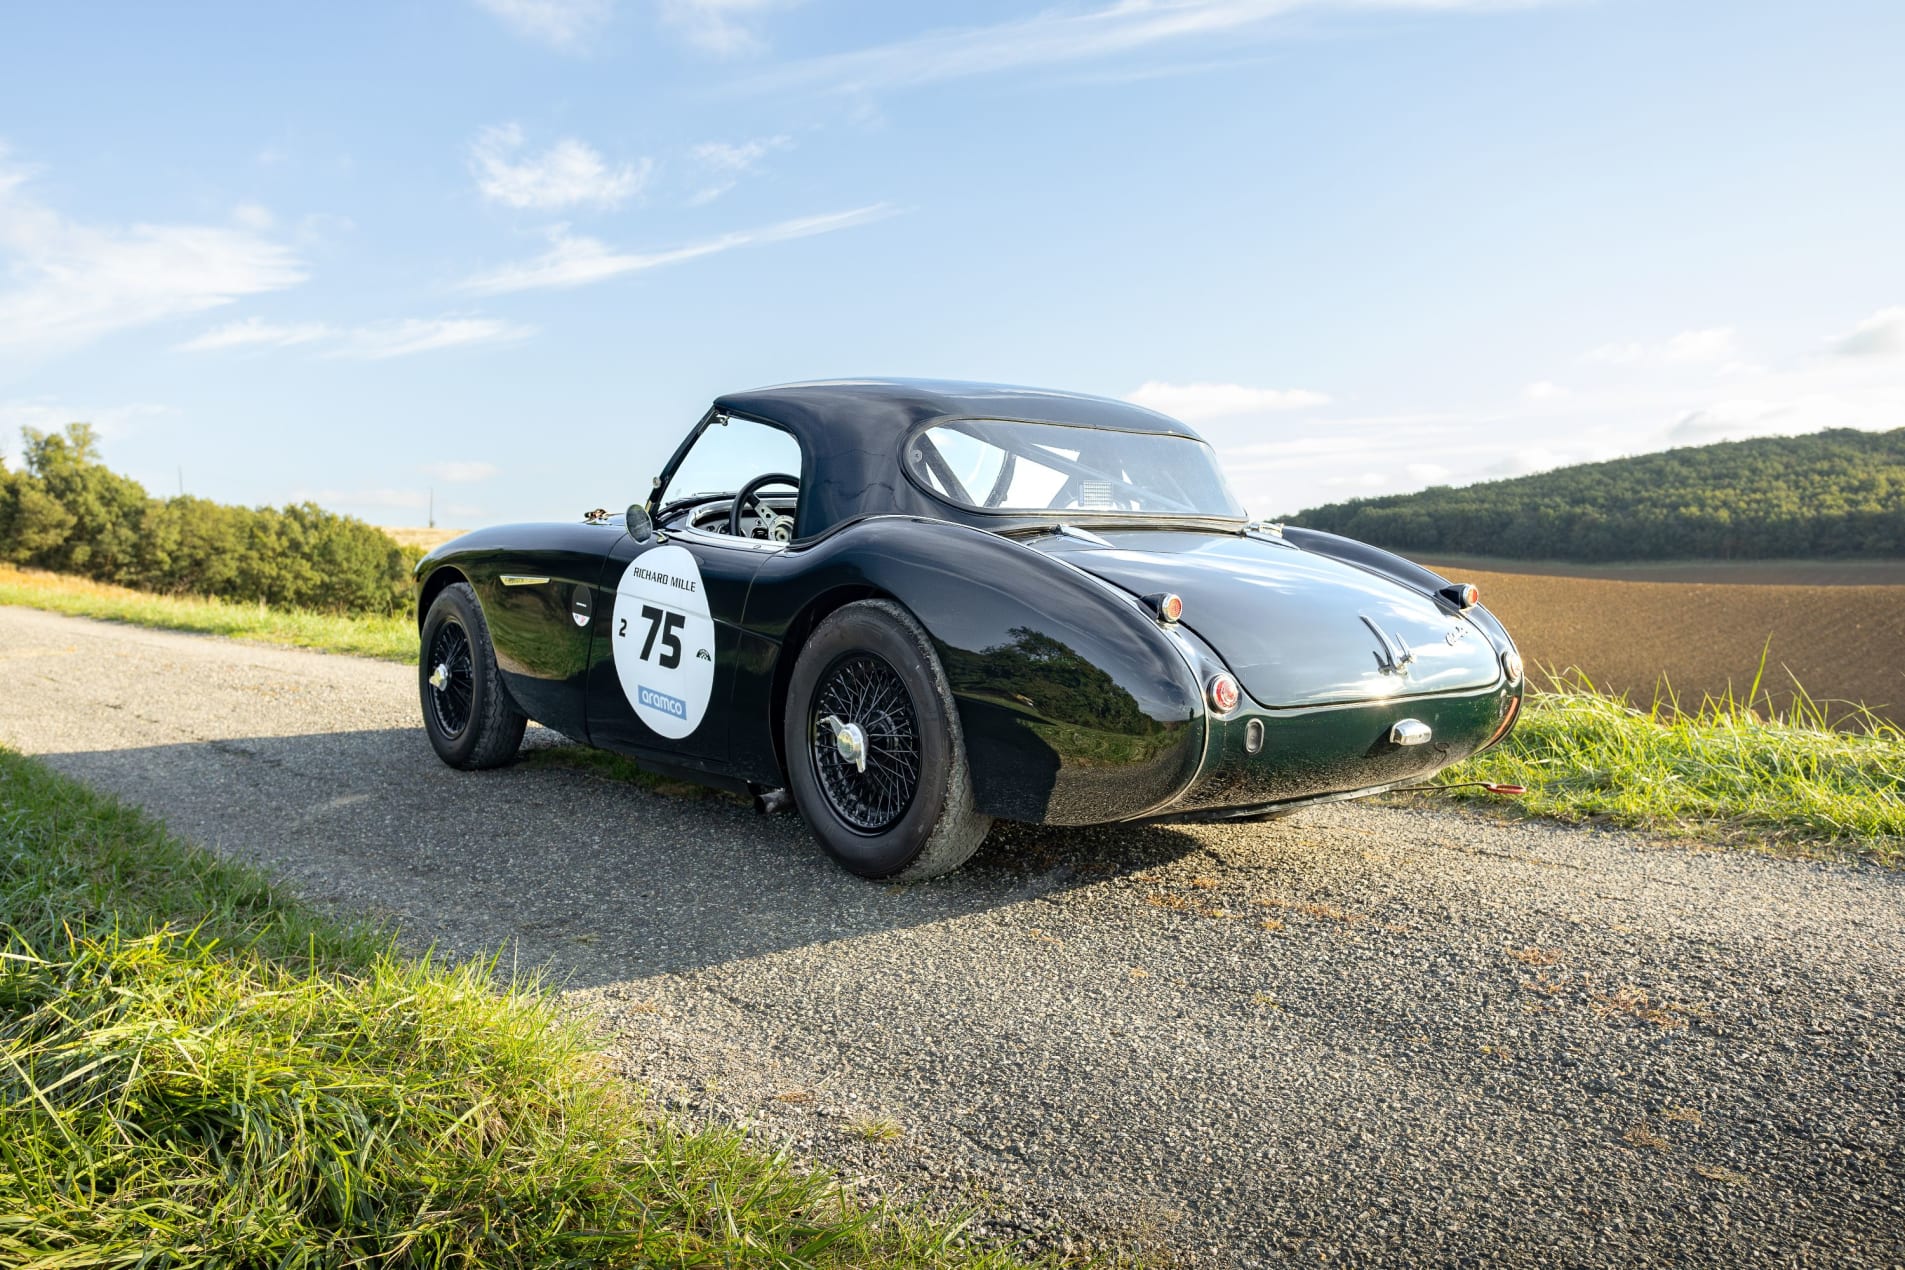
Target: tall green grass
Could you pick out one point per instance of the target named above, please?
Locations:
(391, 638)
(197, 1071)
(1725, 771)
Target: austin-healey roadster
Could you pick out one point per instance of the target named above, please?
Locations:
(911, 608)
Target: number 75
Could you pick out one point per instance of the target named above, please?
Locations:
(665, 624)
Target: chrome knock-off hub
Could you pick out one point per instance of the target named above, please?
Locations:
(440, 677)
(849, 741)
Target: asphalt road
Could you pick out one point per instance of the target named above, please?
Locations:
(1367, 1034)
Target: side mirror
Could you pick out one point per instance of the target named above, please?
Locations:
(640, 527)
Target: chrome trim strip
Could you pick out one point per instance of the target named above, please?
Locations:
(763, 545)
(521, 579)
(1083, 535)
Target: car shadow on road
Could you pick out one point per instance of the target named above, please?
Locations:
(591, 878)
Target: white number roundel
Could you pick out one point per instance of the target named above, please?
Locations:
(664, 640)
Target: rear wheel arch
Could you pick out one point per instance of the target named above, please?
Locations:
(818, 610)
(887, 793)
(985, 587)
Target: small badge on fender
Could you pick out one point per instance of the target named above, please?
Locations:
(581, 607)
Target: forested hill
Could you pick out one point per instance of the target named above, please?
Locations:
(1837, 493)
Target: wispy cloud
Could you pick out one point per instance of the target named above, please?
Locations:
(461, 472)
(253, 216)
(723, 27)
(728, 156)
(255, 332)
(728, 161)
(1732, 420)
(73, 283)
(574, 260)
(1692, 393)
(1712, 344)
(48, 414)
(1060, 36)
(1881, 335)
(566, 25)
(382, 499)
(569, 173)
(1195, 403)
(373, 342)
(427, 335)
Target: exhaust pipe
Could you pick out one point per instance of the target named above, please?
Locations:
(772, 802)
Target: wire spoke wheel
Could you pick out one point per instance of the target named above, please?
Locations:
(452, 678)
(865, 742)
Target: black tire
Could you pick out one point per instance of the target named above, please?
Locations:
(471, 721)
(877, 822)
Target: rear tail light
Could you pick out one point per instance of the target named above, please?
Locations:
(1463, 595)
(1223, 693)
(1511, 666)
(1167, 607)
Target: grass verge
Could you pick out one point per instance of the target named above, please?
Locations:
(1724, 772)
(196, 1070)
(387, 638)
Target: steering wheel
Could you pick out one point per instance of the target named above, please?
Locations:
(779, 528)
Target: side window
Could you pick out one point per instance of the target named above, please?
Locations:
(978, 470)
(729, 454)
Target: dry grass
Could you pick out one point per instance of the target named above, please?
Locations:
(1631, 1001)
(427, 539)
(386, 638)
(876, 1129)
(1641, 1136)
(1720, 1173)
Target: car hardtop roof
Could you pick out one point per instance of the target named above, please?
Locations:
(881, 409)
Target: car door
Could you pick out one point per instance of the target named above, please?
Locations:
(668, 634)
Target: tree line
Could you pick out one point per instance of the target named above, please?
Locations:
(67, 511)
(1839, 493)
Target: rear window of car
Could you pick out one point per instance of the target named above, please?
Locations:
(1010, 465)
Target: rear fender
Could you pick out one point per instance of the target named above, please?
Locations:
(1077, 708)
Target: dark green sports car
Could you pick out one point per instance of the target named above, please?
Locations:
(909, 608)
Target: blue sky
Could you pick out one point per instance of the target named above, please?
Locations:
(507, 250)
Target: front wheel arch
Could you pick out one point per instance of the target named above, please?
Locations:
(442, 577)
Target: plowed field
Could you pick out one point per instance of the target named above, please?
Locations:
(1843, 643)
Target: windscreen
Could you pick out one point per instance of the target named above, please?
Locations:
(1007, 465)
